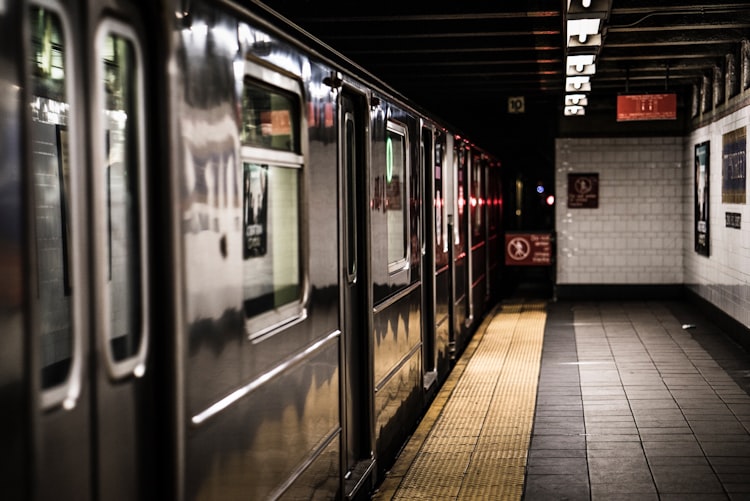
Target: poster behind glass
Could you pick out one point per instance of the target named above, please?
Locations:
(733, 175)
(701, 198)
(255, 210)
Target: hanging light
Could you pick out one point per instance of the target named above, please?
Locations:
(574, 111)
(578, 84)
(576, 100)
(582, 28)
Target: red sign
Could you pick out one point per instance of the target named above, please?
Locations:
(583, 191)
(528, 249)
(646, 107)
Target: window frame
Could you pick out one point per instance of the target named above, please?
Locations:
(402, 263)
(135, 364)
(68, 391)
(266, 324)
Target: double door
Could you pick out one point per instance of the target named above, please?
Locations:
(76, 313)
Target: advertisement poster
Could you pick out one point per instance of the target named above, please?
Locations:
(583, 191)
(255, 210)
(733, 167)
(701, 198)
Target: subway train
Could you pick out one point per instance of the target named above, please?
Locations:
(233, 264)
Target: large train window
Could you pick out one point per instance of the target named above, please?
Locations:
(396, 144)
(271, 222)
(120, 192)
(50, 161)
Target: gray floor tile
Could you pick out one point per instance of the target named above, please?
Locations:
(553, 488)
(557, 466)
(678, 460)
(558, 442)
(728, 465)
(733, 448)
(672, 449)
(557, 453)
(683, 496)
(606, 491)
(685, 479)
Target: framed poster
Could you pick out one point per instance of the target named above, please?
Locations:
(255, 210)
(700, 193)
(733, 167)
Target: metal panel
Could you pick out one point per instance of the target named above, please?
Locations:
(263, 411)
(14, 361)
(258, 446)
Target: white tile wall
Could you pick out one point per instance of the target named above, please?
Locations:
(636, 234)
(642, 232)
(722, 278)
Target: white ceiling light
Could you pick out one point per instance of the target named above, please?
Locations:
(576, 100)
(582, 28)
(579, 62)
(574, 111)
(578, 84)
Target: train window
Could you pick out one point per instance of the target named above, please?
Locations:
(350, 171)
(460, 180)
(120, 179)
(271, 221)
(396, 192)
(270, 118)
(441, 232)
(50, 113)
(477, 199)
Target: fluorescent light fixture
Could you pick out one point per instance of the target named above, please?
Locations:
(579, 62)
(583, 28)
(578, 84)
(589, 69)
(584, 3)
(574, 111)
(592, 42)
(576, 100)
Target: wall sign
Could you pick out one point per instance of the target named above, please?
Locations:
(733, 167)
(528, 249)
(516, 104)
(583, 191)
(632, 107)
(733, 220)
(700, 193)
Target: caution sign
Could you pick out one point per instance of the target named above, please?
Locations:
(583, 191)
(528, 249)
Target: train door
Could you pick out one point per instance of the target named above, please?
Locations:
(57, 324)
(430, 210)
(461, 273)
(120, 299)
(357, 410)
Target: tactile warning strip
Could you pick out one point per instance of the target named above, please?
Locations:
(474, 441)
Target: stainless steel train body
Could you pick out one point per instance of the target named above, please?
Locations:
(233, 265)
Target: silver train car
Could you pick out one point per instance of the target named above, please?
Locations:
(233, 265)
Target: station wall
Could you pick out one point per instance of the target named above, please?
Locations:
(723, 277)
(642, 234)
(635, 234)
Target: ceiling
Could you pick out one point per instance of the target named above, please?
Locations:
(464, 59)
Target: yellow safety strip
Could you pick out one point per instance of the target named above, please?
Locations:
(474, 440)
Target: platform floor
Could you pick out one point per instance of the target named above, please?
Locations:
(586, 401)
